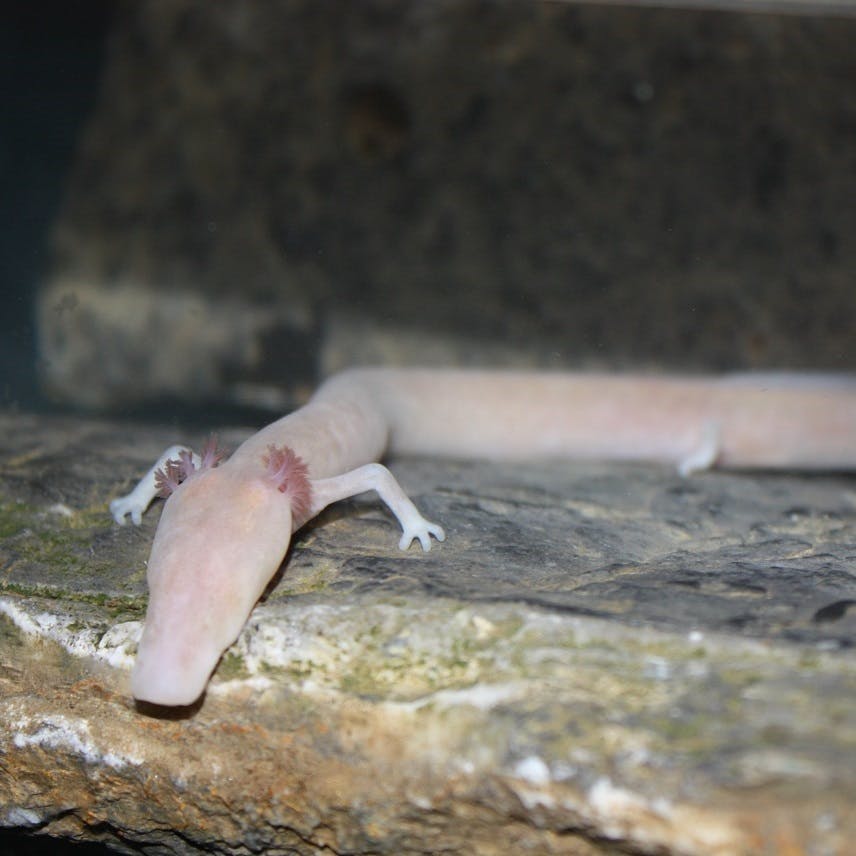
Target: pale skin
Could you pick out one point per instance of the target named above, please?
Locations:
(225, 530)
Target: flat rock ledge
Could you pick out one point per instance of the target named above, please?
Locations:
(599, 659)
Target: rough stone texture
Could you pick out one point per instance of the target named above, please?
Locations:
(599, 659)
(503, 182)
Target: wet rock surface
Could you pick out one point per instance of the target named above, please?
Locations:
(599, 657)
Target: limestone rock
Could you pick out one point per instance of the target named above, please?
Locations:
(599, 659)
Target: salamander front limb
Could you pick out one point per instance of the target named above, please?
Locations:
(135, 503)
(378, 478)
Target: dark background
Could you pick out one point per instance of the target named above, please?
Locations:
(51, 55)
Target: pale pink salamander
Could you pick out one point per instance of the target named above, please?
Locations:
(225, 528)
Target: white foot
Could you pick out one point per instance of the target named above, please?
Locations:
(704, 456)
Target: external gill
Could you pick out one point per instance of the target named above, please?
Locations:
(288, 473)
(175, 471)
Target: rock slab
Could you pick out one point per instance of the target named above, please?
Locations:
(599, 659)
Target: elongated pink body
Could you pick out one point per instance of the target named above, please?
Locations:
(225, 529)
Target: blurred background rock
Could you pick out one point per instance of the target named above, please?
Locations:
(265, 192)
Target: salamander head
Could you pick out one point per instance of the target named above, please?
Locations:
(222, 536)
